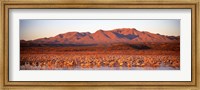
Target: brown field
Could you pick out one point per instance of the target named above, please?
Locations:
(117, 57)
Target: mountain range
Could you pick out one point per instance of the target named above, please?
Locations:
(120, 35)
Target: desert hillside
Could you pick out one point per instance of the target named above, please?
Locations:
(104, 37)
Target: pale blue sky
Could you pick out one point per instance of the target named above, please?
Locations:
(33, 29)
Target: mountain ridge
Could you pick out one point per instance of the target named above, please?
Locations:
(119, 35)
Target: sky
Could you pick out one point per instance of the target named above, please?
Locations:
(31, 29)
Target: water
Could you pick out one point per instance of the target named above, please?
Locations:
(28, 67)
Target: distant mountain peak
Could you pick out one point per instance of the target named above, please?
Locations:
(119, 35)
(99, 31)
(124, 29)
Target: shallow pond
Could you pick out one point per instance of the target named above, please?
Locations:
(99, 68)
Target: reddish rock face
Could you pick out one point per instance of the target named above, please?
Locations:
(121, 35)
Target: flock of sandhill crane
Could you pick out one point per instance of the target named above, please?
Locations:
(52, 62)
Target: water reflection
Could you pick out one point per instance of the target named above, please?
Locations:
(29, 67)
